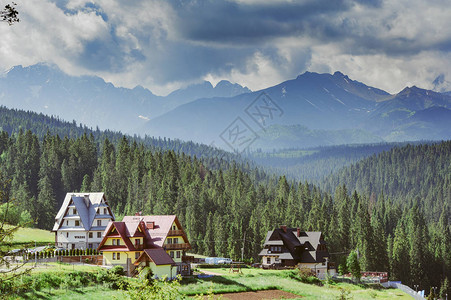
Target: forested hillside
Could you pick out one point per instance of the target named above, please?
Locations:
(390, 235)
(12, 121)
(220, 201)
(314, 164)
(413, 173)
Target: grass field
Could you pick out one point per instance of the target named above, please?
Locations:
(88, 293)
(30, 235)
(257, 279)
(60, 267)
(250, 280)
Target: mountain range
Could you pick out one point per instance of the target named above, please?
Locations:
(310, 110)
(92, 101)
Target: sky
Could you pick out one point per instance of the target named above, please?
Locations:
(169, 44)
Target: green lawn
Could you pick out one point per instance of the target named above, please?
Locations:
(30, 235)
(61, 267)
(87, 293)
(251, 280)
(258, 279)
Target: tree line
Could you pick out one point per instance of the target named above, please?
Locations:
(224, 210)
(226, 205)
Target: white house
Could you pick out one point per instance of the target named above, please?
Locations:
(81, 221)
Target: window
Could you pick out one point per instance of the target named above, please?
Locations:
(118, 241)
(114, 255)
(67, 234)
(90, 235)
(114, 241)
(105, 211)
(176, 240)
(169, 240)
(99, 234)
(118, 255)
(77, 223)
(137, 242)
(171, 254)
(75, 211)
(136, 255)
(67, 223)
(178, 254)
(174, 227)
(268, 260)
(90, 246)
(99, 222)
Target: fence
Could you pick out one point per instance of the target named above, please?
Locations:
(403, 288)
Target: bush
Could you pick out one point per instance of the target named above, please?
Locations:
(305, 275)
(118, 270)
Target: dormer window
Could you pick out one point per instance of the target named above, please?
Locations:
(276, 249)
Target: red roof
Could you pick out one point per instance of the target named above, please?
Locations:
(158, 256)
(153, 237)
(162, 225)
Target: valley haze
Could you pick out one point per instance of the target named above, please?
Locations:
(308, 111)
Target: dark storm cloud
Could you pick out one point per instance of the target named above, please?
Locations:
(163, 44)
(238, 23)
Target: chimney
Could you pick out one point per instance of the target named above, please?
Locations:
(150, 225)
(299, 232)
(284, 228)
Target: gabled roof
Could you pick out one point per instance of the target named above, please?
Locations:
(157, 255)
(86, 205)
(161, 229)
(125, 230)
(303, 248)
(134, 226)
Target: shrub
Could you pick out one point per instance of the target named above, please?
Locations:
(118, 270)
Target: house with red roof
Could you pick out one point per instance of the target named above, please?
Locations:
(158, 242)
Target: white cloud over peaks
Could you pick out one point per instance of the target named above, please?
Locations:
(166, 44)
(46, 34)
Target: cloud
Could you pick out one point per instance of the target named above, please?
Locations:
(166, 44)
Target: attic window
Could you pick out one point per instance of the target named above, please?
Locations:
(105, 211)
(75, 211)
(150, 225)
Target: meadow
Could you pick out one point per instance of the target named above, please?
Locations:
(250, 279)
(257, 279)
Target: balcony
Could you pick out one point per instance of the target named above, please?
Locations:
(139, 247)
(182, 246)
(175, 233)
